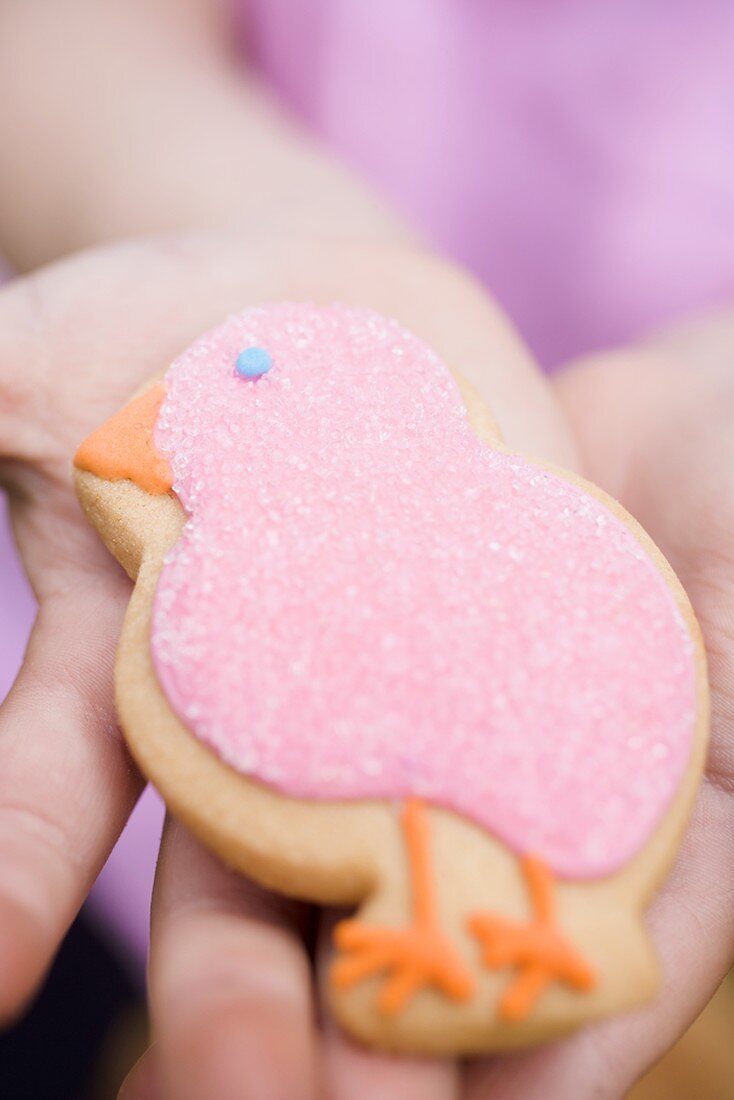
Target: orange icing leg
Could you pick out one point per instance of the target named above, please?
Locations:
(538, 950)
(410, 958)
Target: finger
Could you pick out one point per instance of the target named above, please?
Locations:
(230, 983)
(66, 781)
(354, 1072)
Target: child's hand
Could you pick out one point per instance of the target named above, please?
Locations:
(230, 977)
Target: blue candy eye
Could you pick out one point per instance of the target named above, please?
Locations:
(253, 362)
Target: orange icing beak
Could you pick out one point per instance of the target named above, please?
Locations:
(123, 447)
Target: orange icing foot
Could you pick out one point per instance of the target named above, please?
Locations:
(539, 950)
(412, 958)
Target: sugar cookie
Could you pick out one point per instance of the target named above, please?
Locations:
(373, 658)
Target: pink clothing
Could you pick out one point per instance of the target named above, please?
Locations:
(578, 157)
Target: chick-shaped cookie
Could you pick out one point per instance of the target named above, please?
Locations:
(373, 658)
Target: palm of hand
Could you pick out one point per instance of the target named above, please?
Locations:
(230, 979)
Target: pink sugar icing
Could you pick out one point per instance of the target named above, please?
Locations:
(368, 602)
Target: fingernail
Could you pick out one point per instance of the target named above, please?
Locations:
(140, 1083)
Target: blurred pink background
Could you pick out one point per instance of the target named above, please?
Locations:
(578, 157)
